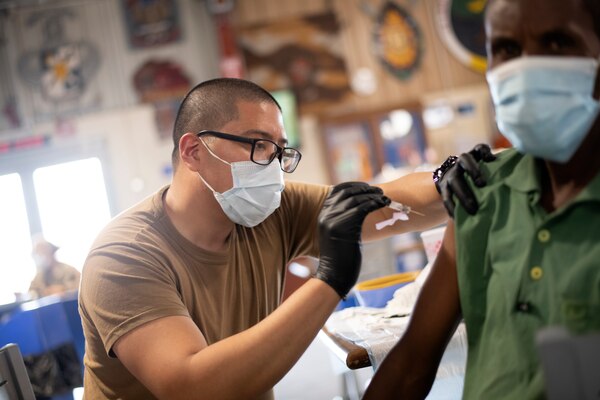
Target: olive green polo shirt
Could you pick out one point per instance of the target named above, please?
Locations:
(521, 269)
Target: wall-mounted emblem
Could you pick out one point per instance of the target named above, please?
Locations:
(151, 22)
(397, 40)
(162, 83)
(58, 66)
(460, 25)
(303, 54)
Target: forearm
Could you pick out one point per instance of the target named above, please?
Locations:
(252, 362)
(416, 190)
(401, 376)
(409, 369)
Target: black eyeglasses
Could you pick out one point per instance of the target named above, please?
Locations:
(264, 151)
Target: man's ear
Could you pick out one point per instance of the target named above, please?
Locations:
(189, 147)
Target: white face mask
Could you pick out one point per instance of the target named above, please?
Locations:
(42, 261)
(544, 105)
(256, 191)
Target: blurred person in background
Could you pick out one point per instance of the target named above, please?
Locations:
(53, 276)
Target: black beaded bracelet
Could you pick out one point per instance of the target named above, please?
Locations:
(442, 169)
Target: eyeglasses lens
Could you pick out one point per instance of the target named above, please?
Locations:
(266, 151)
(289, 159)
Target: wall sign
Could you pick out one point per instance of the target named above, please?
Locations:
(151, 22)
(460, 25)
(397, 40)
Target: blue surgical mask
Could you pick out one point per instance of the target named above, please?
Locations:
(256, 191)
(544, 105)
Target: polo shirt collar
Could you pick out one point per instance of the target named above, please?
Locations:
(523, 180)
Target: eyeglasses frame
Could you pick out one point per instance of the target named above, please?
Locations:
(278, 154)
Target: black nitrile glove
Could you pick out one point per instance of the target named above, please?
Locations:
(340, 226)
(450, 178)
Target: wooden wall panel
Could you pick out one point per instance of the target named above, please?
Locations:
(251, 12)
(438, 71)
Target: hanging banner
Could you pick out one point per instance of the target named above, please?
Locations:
(460, 24)
(397, 41)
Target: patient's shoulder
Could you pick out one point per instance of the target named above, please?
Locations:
(504, 165)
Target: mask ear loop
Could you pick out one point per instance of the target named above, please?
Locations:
(206, 183)
(213, 154)
(218, 158)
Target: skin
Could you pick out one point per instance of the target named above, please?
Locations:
(170, 356)
(514, 28)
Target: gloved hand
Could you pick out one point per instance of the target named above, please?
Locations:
(450, 178)
(340, 225)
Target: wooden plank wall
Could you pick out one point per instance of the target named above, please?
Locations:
(439, 70)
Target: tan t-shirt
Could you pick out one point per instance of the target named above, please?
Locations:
(140, 269)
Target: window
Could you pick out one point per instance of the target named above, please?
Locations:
(73, 206)
(57, 194)
(16, 266)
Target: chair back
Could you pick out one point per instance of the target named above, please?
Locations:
(571, 364)
(14, 381)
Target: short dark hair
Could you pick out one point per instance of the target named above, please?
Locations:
(593, 6)
(213, 103)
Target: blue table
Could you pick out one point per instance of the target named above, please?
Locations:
(43, 325)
